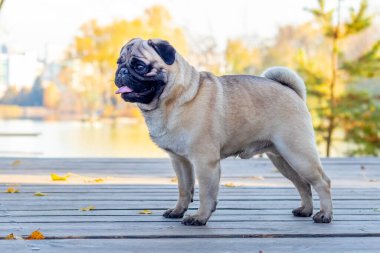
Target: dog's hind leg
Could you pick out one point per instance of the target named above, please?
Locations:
(302, 186)
(300, 152)
(184, 171)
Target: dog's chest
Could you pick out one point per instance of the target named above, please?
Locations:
(164, 136)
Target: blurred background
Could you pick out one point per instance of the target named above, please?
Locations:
(57, 60)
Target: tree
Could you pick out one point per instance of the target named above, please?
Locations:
(340, 73)
(240, 58)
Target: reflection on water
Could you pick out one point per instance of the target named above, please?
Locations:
(76, 139)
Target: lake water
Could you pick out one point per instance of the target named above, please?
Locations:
(104, 138)
(122, 138)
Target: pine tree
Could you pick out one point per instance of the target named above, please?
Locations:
(336, 110)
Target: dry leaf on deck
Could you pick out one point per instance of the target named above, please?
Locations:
(10, 237)
(95, 180)
(145, 212)
(12, 190)
(39, 194)
(87, 208)
(56, 177)
(229, 185)
(257, 178)
(16, 163)
(174, 180)
(35, 235)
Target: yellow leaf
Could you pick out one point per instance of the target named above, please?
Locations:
(16, 163)
(36, 235)
(10, 237)
(145, 212)
(39, 194)
(87, 208)
(12, 190)
(56, 177)
(229, 185)
(174, 180)
(95, 180)
(257, 178)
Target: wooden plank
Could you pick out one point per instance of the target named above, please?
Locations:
(126, 196)
(158, 212)
(121, 204)
(213, 229)
(241, 245)
(158, 218)
(141, 188)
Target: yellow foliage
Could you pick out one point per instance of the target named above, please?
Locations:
(229, 185)
(51, 96)
(242, 59)
(11, 111)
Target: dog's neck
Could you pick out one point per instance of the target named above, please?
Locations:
(182, 90)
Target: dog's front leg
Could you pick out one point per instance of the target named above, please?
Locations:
(208, 175)
(185, 175)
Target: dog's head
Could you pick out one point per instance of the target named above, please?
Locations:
(144, 69)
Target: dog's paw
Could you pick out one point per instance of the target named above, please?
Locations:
(194, 220)
(174, 213)
(322, 217)
(302, 212)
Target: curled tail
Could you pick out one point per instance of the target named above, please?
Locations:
(287, 77)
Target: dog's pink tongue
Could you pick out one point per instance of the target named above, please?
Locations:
(124, 89)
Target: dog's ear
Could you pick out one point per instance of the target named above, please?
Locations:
(164, 49)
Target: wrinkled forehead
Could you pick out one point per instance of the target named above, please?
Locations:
(137, 48)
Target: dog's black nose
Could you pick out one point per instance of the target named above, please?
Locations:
(123, 71)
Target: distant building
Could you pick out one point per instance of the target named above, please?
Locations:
(4, 69)
(18, 69)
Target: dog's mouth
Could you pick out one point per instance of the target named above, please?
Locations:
(123, 90)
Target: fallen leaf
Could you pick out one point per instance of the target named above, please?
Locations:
(56, 177)
(10, 237)
(145, 212)
(12, 190)
(87, 208)
(94, 180)
(16, 163)
(35, 235)
(257, 177)
(229, 185)
(174, 180)
(39, 194)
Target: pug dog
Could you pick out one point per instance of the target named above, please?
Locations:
(199, 118)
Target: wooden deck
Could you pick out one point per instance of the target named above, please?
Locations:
(253, 216)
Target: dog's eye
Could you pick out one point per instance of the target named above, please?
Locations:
(140, 68)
